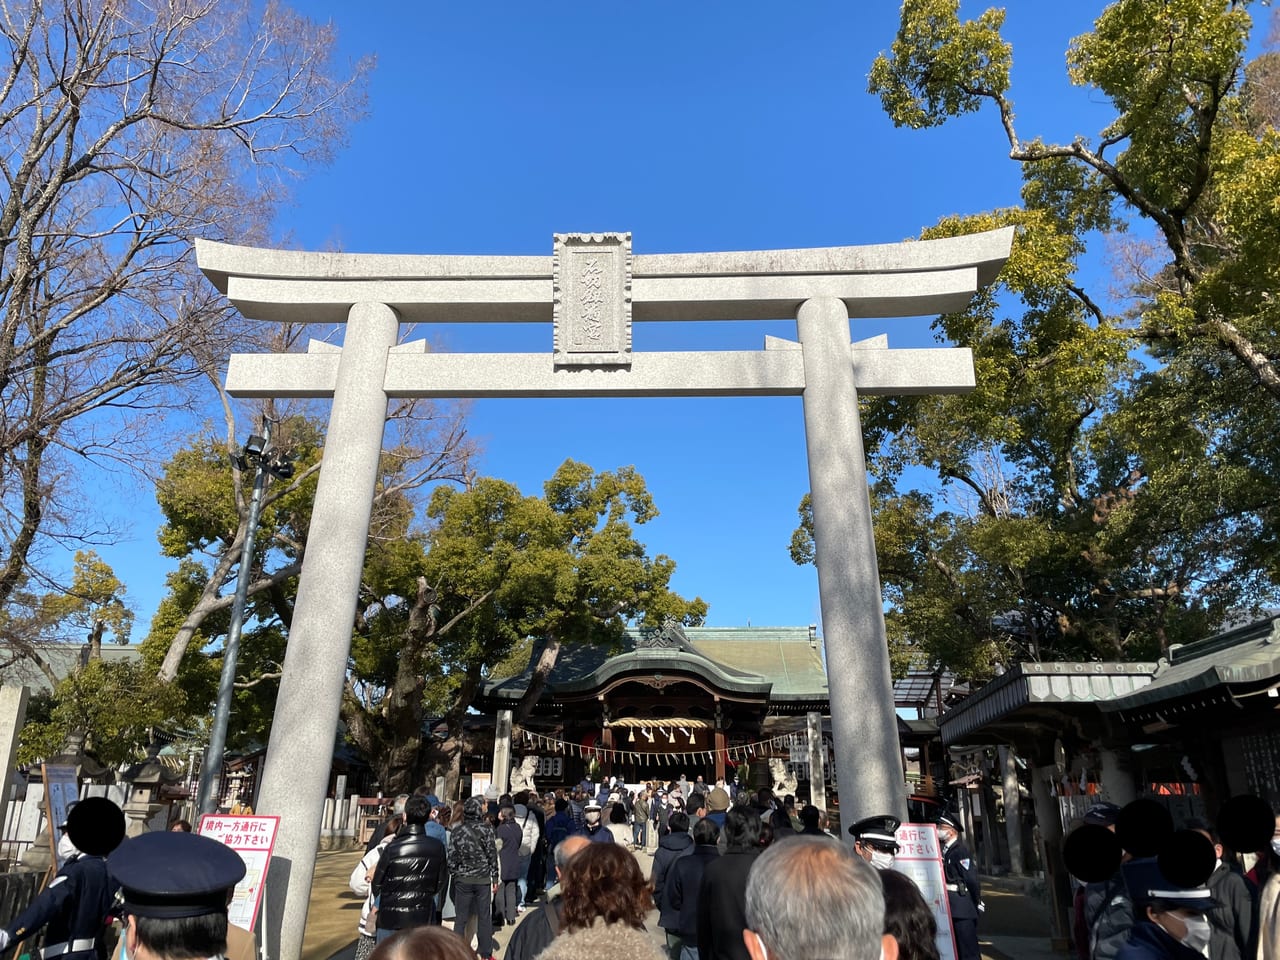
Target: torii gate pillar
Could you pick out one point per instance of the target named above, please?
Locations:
(868, 755)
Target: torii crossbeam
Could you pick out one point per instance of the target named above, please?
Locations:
(592, 289)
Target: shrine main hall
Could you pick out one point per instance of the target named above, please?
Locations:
(662, 702)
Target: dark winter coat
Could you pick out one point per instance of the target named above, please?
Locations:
(473, 854)
(722, 900)
(1232, 918)
(1148, 941)
(72, 907)
(678, 912)
(670, 848)
(409, 873)
(510, 834)
(1108, 913)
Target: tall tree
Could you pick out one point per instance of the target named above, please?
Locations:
(500, 568)
(128, 128)
(1110, 485)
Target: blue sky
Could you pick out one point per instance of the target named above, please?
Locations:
(695, 127)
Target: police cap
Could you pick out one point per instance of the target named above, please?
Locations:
(950, 820)
(1149, 886)
(167, 874)
(878, 830)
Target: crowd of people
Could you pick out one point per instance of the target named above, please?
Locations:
(734, 875)
(562, 869)
(1193, 899)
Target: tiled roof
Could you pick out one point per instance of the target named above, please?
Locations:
(62, 659)
(1042, 683)
(1248, 655)
(779, 660)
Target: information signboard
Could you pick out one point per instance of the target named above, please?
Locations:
(920, 858)
(60, 791)
(253, 838)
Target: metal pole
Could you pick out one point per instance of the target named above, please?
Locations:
(211, 773)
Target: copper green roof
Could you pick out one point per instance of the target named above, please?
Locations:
(785, 656)
(780, 663)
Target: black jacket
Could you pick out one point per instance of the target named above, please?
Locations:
(678, 912)
(722, 902)
(670, 848)
(963, 889)
(73, 906)
(409, 873)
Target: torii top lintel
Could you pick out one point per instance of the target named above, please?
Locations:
(593, 288)
(912, 278)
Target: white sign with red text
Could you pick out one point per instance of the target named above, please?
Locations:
(920, 858)
(253, 838)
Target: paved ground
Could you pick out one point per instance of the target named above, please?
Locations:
(1015, 926)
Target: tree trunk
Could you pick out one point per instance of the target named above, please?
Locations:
(538, 682)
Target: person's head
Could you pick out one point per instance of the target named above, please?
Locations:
(678, 821)
(566, 849)
(809, 816)
(907, 918)
(697, 805)
(617, 813)
(603, 881)
(948, 829)
(1206, 830)
(741, 829)
(875, 840)
(473, 809)
(417, 810)
(561, 804)
(706, 832)
(809, 897)
(766, 834)
(1179, 911)
(505, 813)
(175, 888)
(181, 826)
(423, 943)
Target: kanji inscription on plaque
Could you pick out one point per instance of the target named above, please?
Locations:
(592, 299)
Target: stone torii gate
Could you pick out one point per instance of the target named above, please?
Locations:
(591, 289)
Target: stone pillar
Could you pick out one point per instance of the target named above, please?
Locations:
(1012, 810)
(817, 762)
(300, 752)
(13, 713)
(863, 722)
(1118, 785)
(1049, 820)
(502, 753)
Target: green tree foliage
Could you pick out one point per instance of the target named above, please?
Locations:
(498, 568)
(203, 493)
(1108, 489)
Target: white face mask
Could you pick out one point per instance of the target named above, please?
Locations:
(1275, 846)
(881, 860)
(1198, 933)
(66, 849)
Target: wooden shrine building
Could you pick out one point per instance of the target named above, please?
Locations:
(661, 702)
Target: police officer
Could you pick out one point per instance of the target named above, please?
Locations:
(963, 891)
(75, 904)
(175, 888)
(875, 840)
